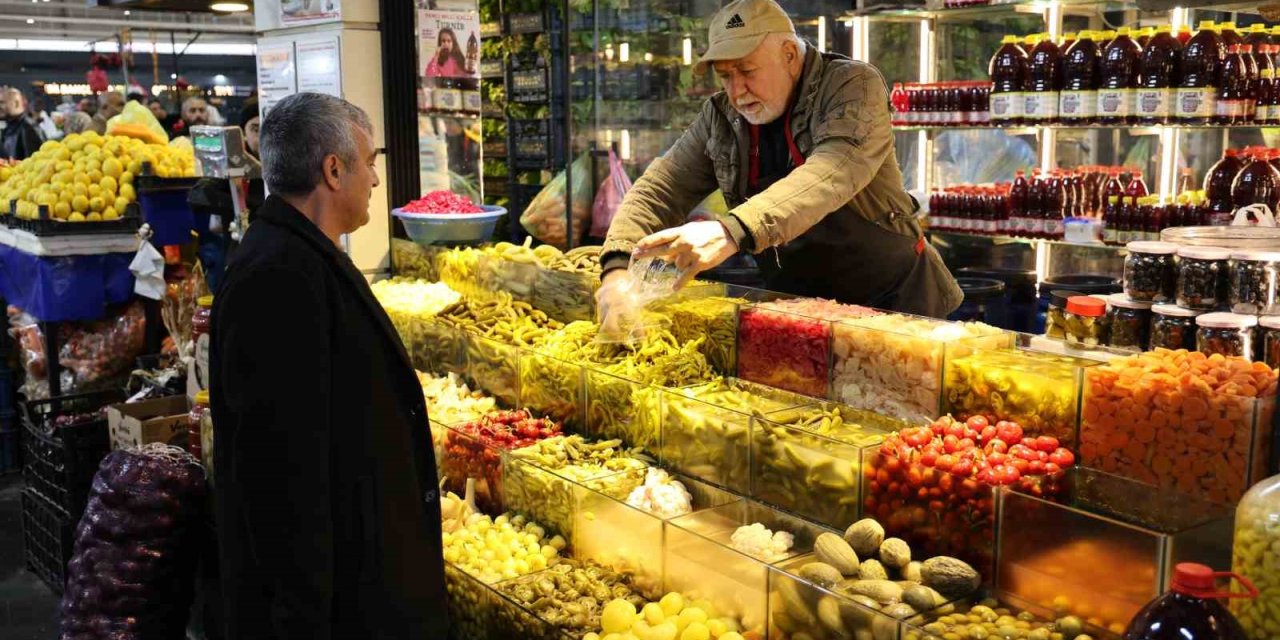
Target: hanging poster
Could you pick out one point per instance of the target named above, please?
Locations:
(449, 54)
(320, 65)
(277, 77)
(296, 12)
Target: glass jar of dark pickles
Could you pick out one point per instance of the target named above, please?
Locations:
(1255, 282)
(1270, 341)
(1202, 277)
(1230, 334)
(1173, 327)
(1128, 322)
(1150, 272)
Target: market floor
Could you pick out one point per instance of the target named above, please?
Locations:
(28, 609)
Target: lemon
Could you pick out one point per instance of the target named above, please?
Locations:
(83, 178)
(65, 196)
(73, 142)
(134, 167)
(79, 189)
(108, 185)
(50, 145)
(96, 204)
(80, 203)
(5, 173)
(672, 604)
(120, 204)
(94, 217)
(76, 217)
(110, 214)
(61, 210)
(95, 190)
(127, 192)
(95, 176)
(112, 168)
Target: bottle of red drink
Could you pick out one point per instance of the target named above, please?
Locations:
(1136, 187)
(1252, 79)
(1119, 78)
(1201, 66)
(1111, 221)
(1265, 71)
(1257, 183)
(1217, 187)
(1051, 207)
(1018, 193)
(1159, 77)
(1078, 100)
(1033, 224)
(1044, 73)
(1229, 34)
(1008, 72)
(1233, 89)
(1191, 610)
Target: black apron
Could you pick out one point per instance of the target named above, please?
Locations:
(847, 258)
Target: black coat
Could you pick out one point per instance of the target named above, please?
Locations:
(325, 484)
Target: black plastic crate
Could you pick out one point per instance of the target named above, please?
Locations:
(10, 449)
(46, 225)
(530, 142)
(48, 535)
(64, 440)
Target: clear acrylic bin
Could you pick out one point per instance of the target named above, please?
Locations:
(1105, 545)
(553, 388)
(494, 367)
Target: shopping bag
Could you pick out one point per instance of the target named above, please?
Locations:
(137, 121)
(1254, 215)
(546, 217)
(609, 198)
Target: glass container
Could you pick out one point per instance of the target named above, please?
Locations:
(1128, 322)
(1086, 321)
(1202, 277)
(1270, 341)
(194, 420)
(1173, 327)
(1255, 282)
(1229, 334)
(1256, 556)
(1150, 272)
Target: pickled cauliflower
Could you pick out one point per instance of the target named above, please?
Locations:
(661, 495)
(759, 542)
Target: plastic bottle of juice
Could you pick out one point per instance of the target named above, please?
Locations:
(1017, 204)
(1105, 38)
(1033, 224)
(1233, 89)
(1152, 218)
(1078, 101)
(1076, 194)
(1111, 221)
(1184, 34)
(1125, 214)
(1044, 72)
(1190, 610)
(1264, 62)
(1257, 35)
(1068, 39)
(1202, 59)
(1119, 69)
(898, 100)
(1253, 78)
(1186, 181)
(1158, 78)
(1217, 187)
(1229, 34)
(1136, 187)
(1008, 70)
(1113, 185)
(1257, 183)
(1051, 207)
(1263, 110)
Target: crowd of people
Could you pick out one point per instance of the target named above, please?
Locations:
(26, 125)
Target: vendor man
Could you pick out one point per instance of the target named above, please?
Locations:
(800, 144)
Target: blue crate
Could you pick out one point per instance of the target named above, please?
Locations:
(164, 206)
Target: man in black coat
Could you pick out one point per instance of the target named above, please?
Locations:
(327, 508)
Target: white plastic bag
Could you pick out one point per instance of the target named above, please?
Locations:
(1262, 216)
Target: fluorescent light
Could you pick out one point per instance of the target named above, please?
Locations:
(822, 34)
(624, 52)
(220, 79)
(686, 47)
(229, 7)
(624, 149)
(128, 13)
(648, 57)
(31, 20)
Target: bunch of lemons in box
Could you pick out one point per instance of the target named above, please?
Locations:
(86, 177)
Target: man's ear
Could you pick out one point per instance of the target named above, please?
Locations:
(332, 170)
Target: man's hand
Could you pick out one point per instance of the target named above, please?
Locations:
(616, 303)
(693, 248)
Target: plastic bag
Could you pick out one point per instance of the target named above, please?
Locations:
(92, 354)
(621, 312)
(1254, 215)
(545, 219)
(609, 197)
(137, 121)
(713, 207)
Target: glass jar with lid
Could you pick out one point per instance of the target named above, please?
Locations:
(1055, 318)
(1086, 321)
(1202, 277)
(1150, 271)
(1255, 282)
(1128, 322)
(195, 420)
(1230, 334)
(1173, 327)
(1256, 554)
(1270, 341)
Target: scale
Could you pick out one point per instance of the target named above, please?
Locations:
(220, 153)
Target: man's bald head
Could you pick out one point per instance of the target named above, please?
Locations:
(195, 111)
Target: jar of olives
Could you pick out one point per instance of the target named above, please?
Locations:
(1229, 334)
(1202, 277)
(1255, 282)
(1270, 341)
(1173, 327)
(1055, 319)
(1086, 321)
(1150, 273)
(1128, 322)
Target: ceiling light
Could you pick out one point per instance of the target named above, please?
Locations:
(128, 12)
(31, 20)
(173, 76)
(229, 7)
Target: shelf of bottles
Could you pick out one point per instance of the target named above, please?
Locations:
(1084, 96)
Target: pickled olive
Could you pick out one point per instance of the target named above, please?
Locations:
(1255, 282)
(1173, 327)
(892, 364)
(1203, 274)
(1128, 322)
(1150, 272)
(1176, 419)
(1226, 334)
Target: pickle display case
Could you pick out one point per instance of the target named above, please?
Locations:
(1104, 546)
(1000, 614)
(495, 366)
(553, 387)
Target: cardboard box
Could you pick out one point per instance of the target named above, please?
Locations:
(160, 420)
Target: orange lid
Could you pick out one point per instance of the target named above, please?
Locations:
(1086, 306)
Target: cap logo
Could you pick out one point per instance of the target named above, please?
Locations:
(735, 22)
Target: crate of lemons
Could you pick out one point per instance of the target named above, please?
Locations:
(87, 177)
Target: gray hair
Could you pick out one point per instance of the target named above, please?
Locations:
(299, 132)
(77, 122)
